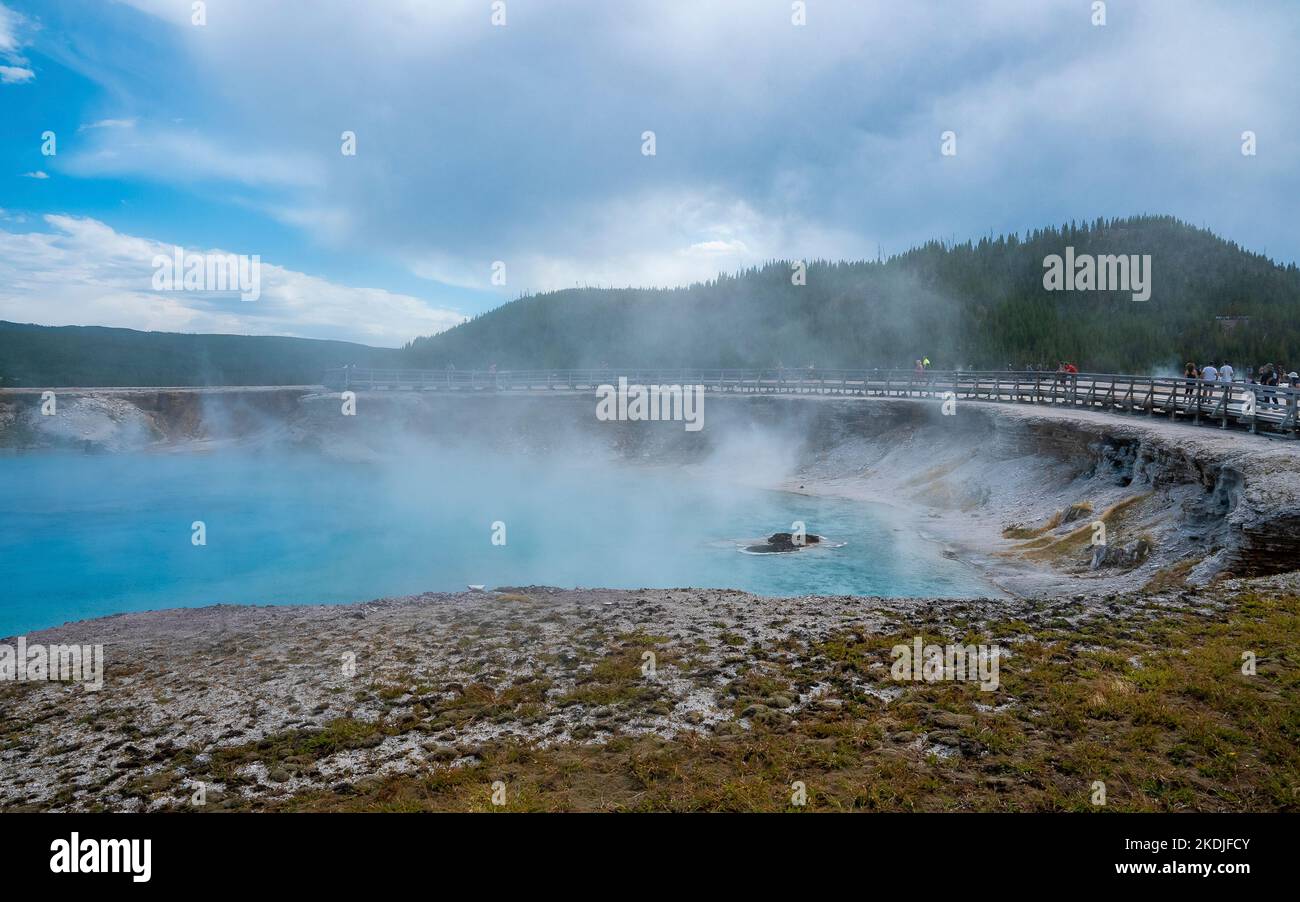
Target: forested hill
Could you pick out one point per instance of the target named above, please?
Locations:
(969, 305)
(976, 304)
(44, 356)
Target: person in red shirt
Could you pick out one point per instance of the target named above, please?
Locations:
(1071, 368)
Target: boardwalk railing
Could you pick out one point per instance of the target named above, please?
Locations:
(1255, 407)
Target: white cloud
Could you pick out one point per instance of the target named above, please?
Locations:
(653, 239)
(170, 155)
(522, 144)
(716, 247)
(10, 48)
(83, 272)
(8, 30)
(38, 174)
(15, 75)
(475, 142)
(331, 224)
(108, 123)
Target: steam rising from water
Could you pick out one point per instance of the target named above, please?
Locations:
(88, 535)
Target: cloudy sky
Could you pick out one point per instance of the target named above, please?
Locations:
(522, 143)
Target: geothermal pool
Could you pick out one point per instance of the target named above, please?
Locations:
(84, 535)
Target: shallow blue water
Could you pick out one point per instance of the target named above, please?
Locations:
(88, 535)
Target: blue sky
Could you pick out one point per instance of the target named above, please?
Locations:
(522, 143)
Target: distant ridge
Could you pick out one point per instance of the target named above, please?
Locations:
(55, 356)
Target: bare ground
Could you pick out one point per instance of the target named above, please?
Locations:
(546, 693)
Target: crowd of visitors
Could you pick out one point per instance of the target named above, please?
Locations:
(1269, 375)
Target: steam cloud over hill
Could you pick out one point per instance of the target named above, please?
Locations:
(977, 305)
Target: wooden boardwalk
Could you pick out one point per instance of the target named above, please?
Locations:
(1256, 408)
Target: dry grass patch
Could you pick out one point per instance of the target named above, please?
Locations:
(1154, 704)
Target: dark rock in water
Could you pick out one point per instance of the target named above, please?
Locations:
(785, 538)
(781, 542)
